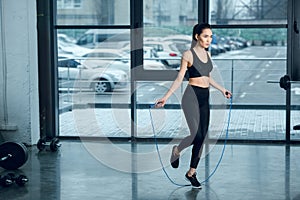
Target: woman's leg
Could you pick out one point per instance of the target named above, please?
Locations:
(197, 113)
(195, 105)
(199, 140)
(201, 134)
(198, 145)
(189, 106)
(197, 117)
(192, 115)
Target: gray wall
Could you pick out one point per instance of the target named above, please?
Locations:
(19, 104)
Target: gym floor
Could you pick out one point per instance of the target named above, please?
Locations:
(105, 170)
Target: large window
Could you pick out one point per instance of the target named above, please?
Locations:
(248, 58)
(249, 48)
(254, 32)
(93, 66)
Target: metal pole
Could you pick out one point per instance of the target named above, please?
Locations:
(48, 89)
(232, 68)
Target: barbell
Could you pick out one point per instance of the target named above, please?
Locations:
(284, 82)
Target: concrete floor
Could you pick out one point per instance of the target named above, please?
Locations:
(105, 170)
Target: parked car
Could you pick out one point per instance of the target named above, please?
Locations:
(104, 38)
(78, 75)
(182, 42)
(166, 52)
(118, 59)
(227, 43)
(107, 54)
(240, 42)
(64, 38)
(214, 50)
(71, 48)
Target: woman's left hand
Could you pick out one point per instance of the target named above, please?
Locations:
(227, 94)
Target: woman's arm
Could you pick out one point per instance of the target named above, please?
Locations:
(213, 83)
(176, 83)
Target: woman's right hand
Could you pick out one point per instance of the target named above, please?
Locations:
(160, 102)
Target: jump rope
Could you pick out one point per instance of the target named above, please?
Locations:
(159, 156)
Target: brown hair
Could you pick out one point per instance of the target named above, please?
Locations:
(197, 29)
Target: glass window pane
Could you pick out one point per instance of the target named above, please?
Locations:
(110, 57)
(92, 81)
(91, 122)
(167, 30)
(167, 123)
(248, 58)
(248, 12)
(93, 12)
(245, 59)
(295, 113)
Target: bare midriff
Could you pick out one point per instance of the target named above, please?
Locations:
(202, 81)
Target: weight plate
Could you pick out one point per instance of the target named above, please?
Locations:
(285, 82)
(281, 82)
(18, 152)
(21, 180)
(54, 144)
(41, 144)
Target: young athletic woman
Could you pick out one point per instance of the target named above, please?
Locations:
(195, 101)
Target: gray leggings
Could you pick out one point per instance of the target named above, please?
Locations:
(195, 105)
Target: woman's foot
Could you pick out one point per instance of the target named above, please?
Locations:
(193, 179)
(175, 157)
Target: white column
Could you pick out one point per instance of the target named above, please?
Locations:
(19, 105)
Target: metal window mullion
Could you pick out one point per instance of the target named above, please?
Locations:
(136, 51)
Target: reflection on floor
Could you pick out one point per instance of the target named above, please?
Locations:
(106, 170)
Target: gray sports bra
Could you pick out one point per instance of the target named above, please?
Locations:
(198, 67)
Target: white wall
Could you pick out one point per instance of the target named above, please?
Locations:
(19, 105)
